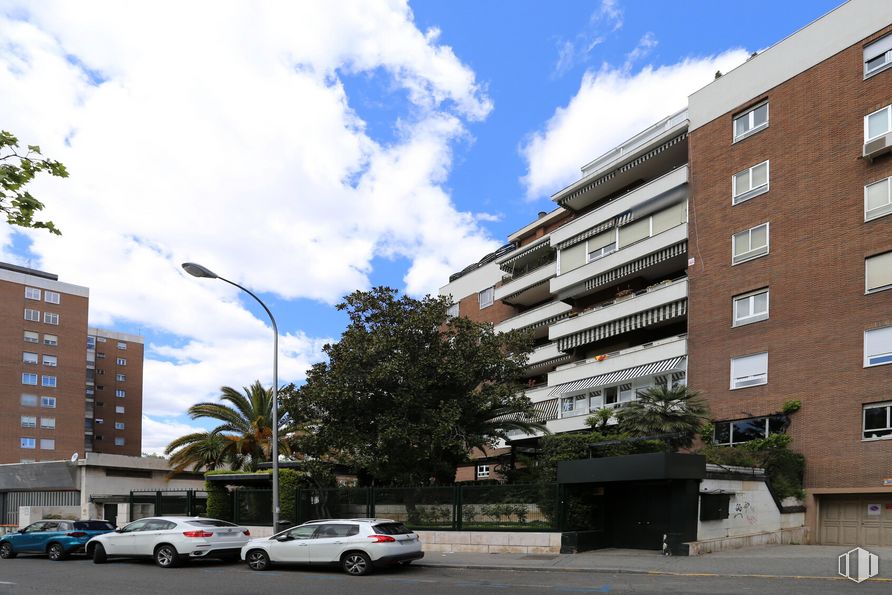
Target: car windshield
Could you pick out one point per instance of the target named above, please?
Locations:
(94, 526)
(391, 529)
(210, 523)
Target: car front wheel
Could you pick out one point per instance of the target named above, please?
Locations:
(56, 552)
(166, 556)
(356, 563)
(257, 560)
(99, 555)
(6, 551)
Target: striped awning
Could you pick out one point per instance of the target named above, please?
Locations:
(508, 264)
(618, 376)
(524, 290)
(586, 234)
(542, 411)
(563, 201)
(624, 325)
(636, 265)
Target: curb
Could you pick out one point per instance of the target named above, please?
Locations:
(538, 568)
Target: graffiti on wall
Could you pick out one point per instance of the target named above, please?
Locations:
(746, 511)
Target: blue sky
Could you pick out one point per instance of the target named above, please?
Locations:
(307, 150)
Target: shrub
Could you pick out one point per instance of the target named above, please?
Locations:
(219, 504)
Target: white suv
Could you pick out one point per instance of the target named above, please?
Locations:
(357, 545)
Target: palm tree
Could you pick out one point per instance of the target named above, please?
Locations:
(677, 413)
(202, 450)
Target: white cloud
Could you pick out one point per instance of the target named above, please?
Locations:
(223, 133)
(606, 19)
(611, 105)
(647, 42)
(158, 433)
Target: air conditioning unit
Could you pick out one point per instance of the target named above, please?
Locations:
(878, 146)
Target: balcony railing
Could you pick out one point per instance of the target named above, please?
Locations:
(527, 280)
(536, 316)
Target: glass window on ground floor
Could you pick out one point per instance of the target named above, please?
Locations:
(877, 421)
(731, 433)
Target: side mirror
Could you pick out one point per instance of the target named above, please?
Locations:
(119, 529)
(20, 531)
(285, 537)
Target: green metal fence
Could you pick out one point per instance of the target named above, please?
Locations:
(145, 503)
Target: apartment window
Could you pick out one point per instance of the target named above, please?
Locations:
(634, 232)
(749, 370)
(29, 378)
(50, 340)
(48, 423)
(29, 358)
(120, 377)
(47, 444)
(571, 257)
(121, 361)
(878, 56)
(119, 441)
(877, 421)
(50, 360)
(50, 318)
(91, 343)
(452, 311)
(749, 183)
(878, 123)
(31, 337)
(119, 425)
(48, 381)
(119, 409)
(122, 345)
(749, 244)
(576, 405)
(485, 297)
(482, 471)
(32, 293)
(32, 315)
(101, 339)
(731, 433)
(48, 402)
(99, 421)
(100, 355)
(751, 307)
(51, 297)
(751, 121)
(28, 442)
(29, 421)
(878, 346)
(28, 401)
(601, 245)
(878, 272)
(878, 199)
(120, 392)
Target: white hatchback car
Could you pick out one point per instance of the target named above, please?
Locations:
(357, 545)
(168, 540)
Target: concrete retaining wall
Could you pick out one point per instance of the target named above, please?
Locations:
(490, 542)
(795, 535)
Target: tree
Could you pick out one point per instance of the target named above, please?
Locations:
(202, 450)
(677, 412)
(407, 392)
(17, 169)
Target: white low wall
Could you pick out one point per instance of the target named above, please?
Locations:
(752, 511)
(793, 536)
(490, 542)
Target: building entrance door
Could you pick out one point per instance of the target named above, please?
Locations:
(110, 513)
(639, 514)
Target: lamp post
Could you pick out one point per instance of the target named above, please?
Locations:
(196, 270)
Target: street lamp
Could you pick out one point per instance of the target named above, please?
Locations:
(196, 270)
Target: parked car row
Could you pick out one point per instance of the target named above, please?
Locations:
(356, 545)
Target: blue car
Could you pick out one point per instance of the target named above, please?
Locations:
(56, 539)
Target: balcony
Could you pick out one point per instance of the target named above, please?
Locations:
(574, 283)
(641, 139)
(537, 317)
(528, 289)
(545, 353)
(643, 301)
(665, 349)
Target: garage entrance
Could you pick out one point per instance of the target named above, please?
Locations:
(856, 519)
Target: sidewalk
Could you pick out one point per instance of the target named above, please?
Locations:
(772, 560)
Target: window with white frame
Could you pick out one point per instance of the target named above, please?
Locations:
(122, 345)
(601, 245)
(50, 360)
(119, 392)
(878, 199)
(878, 346)
(749, 244)
(47, 444)
(50, 318)
(749, 183)
(877, 421)
(50, 340)
(48, 381)
(51, 297)
(121, 361)
(119, 425)
(651, 225)
(751, 307)
(484, 298)
(119, 441)
(751, 121)
(29, 421)
(878, 123)
(749, 370)
(32, 315)
(28, 400)
(28, 442)
(120, 377)
(731, 433)
(482, 471)
(119, 409)
(48, 423)
(452, 311)
(575, 405)
(29, 358)
(32, 293)
(878, 56)
(99, 421)
(29, 378)
(878, 272)
(48, 402)
(31, 337)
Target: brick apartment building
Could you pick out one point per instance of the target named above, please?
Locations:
(780, 175)
(47, 389)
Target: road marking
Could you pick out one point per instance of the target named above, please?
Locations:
(774, 576)
(6, 583)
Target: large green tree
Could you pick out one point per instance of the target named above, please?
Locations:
(203, 451)
(678, 413)
(408, 391)
(18, 167)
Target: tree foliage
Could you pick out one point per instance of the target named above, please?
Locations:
(677, 413)
(407, 391)
(18, 167)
